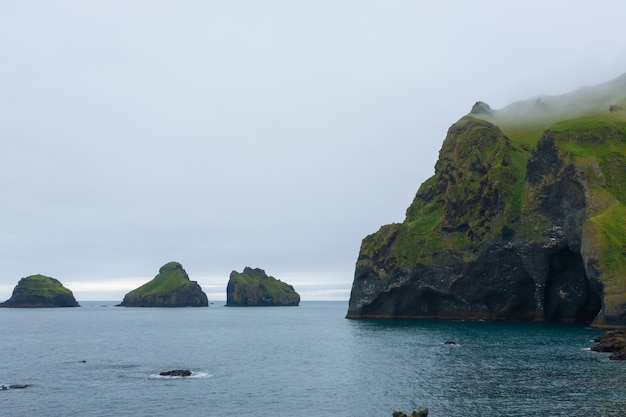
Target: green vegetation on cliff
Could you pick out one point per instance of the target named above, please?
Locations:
(170, 288)
(530, 197)
(40, 291)
(253, 287)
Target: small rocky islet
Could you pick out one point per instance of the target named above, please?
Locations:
(171, 287)
(254, 288)
(40, 291)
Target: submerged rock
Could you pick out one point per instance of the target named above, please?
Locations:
(13, 386)
(176, 372)
(254, 288)
(420, 413)
(523, 220)
(40, 291)
(170, 288)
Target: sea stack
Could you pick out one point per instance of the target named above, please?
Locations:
(40, 291)
(254, 288)
(170, 288)
(522, 220)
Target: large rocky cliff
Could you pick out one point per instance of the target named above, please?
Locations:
(523, 220)
(170, 288)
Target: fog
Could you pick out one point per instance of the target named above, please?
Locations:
(271, 134)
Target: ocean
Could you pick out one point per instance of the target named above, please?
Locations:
(101, 360)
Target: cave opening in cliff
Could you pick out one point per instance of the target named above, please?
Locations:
(568, 295)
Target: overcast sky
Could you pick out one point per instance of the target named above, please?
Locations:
(269, 134)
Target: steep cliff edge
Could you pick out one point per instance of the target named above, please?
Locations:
(254, 288)
(523, 220)
(170, 288)
(40, 291)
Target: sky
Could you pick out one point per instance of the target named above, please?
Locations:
(234, 133)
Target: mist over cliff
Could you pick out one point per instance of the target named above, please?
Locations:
(521, 221)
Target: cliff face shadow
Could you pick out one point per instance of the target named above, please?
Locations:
(568, 296)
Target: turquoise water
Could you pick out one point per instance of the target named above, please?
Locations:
(296, 361)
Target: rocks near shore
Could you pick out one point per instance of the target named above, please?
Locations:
(613, 341)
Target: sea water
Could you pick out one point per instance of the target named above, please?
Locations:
(100, 360)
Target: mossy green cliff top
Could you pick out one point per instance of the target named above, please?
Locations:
(253, 287)
(523, 219)
(170, 288)
(40, 291)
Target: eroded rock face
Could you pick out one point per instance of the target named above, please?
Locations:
(502, 233)
(170, 288)
(40, 291)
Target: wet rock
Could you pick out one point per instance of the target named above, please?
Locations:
(13, 386)
(176, 372)
(613, 341)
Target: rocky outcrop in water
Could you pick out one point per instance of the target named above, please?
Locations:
(613, 341)
(13, 386)
(254, 288)
(176, 372)
(523, 220)
(170, 288)
(40, 291)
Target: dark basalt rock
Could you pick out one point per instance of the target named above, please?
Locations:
(37, 291)
(176, 372)
(254, 288)
(170, 288)
(503, 231)
(613, 341)
(13, 386)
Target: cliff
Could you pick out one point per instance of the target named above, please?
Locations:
(170, 288)
(523, 220)
(40, 291)
(253, 287)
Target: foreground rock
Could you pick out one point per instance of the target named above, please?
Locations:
(613, 341)
(170, 288)
(523, 220)
(176, 372)
(40, 291)
(254, 288)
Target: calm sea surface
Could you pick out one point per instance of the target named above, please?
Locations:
(295, 361)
